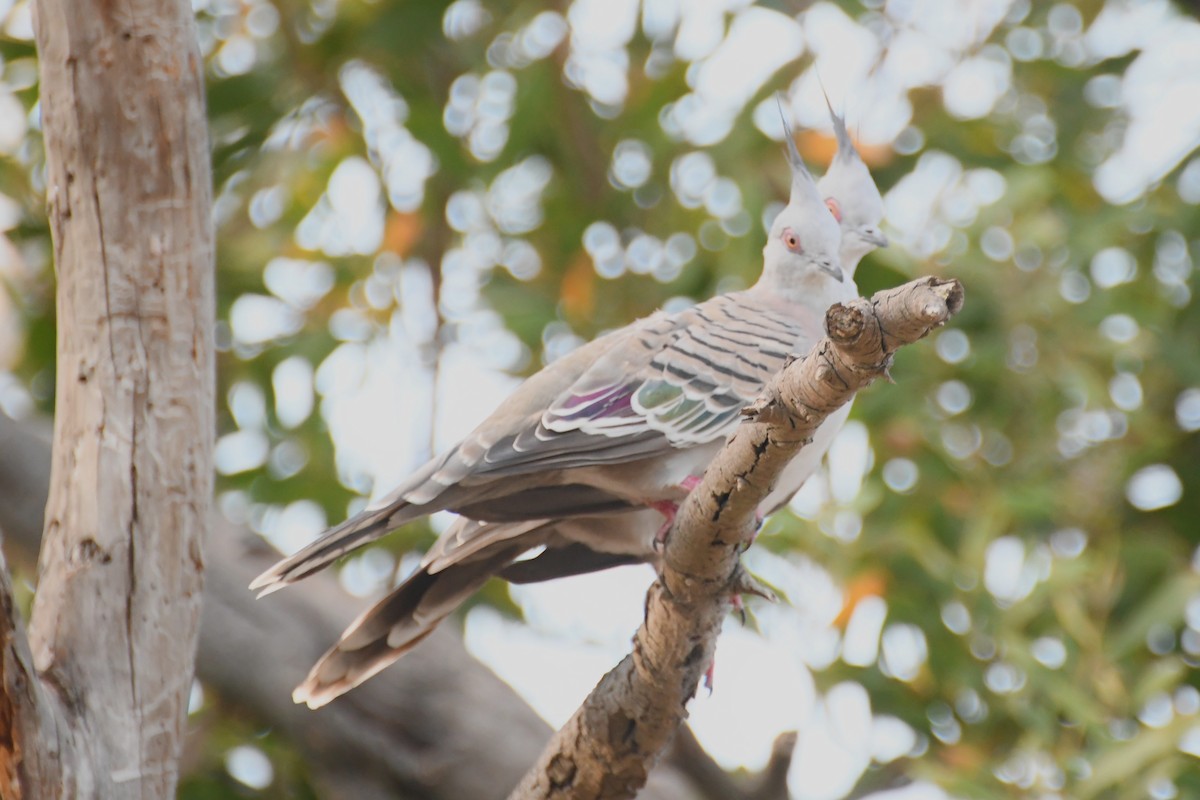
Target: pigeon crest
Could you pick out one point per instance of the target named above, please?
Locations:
(851, 195)
(802, 250)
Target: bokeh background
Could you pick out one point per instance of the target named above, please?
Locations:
(994, 589)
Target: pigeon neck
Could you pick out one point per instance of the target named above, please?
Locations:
(811, 289)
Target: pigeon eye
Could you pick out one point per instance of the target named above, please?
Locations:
(791, 240)
(834, 208)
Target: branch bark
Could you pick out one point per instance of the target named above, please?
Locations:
(608, 747)
(97, 696)
(714, 783)
(408, 732)
(439, 726)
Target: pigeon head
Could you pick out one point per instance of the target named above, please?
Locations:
(802, 247)
(851, 195)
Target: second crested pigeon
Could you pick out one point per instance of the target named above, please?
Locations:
(851, 194)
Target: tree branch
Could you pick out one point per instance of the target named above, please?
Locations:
(607, 748)
(25, 478)
(714, 783)
(27, 711)
(407, 732)
(705, 774)
(772, 783)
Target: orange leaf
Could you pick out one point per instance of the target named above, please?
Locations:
(872, 583)
(578, 290)
(820, 149)
(401, 233)
(963, 757)
(816, 147)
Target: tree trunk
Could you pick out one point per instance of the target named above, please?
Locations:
(101, 710)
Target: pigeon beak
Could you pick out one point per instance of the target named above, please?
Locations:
(828, 267)
(875, 236)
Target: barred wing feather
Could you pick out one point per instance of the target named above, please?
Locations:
(685, 382)
(666, 382)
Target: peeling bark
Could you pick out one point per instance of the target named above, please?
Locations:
(98, 693)
(608, 747)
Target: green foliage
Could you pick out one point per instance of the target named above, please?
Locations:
(1040, 456)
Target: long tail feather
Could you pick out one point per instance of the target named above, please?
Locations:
(396, 624)
(333, 544)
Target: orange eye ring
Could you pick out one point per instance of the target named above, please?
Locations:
(791, 241)
(834, 208)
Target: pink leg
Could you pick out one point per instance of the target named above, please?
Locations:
(669, 508)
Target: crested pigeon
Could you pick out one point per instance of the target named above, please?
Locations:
(583, 458)
(851, 194)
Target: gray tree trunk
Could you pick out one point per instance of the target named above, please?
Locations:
(100, 709)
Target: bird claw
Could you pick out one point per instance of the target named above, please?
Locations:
(745, 583)
(739, 607)
(758, 523)
(887, 371)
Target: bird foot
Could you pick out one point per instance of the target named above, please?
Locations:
(743, 582)
(669, 509)
(738, 606)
